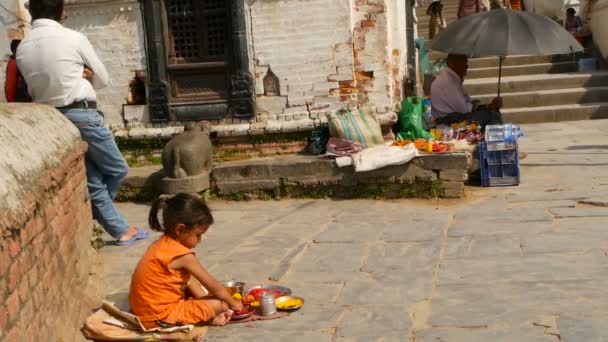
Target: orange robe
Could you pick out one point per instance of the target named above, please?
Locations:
(159, 293)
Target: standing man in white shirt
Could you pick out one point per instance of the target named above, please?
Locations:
(62, 70)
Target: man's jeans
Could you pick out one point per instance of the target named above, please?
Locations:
(106, 168)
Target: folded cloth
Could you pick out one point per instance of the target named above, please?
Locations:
(381, 156)
(342, 147)
(112, 324)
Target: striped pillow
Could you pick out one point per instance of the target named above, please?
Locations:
(357, 126)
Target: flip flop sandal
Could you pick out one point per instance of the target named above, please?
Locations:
(140, 235)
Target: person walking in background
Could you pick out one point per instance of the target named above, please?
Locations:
(15, 88)
(62, 70)
(436, 20)
(497, 4)
(469, 7)
(574, 24)
(516, 5)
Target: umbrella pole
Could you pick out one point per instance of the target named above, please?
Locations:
(499, 73)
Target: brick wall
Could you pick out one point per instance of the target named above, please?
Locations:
(46, 223)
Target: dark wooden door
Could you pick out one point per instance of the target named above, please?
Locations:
(197, 53)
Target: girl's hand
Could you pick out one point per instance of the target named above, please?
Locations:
(190, 263)
(236, 305)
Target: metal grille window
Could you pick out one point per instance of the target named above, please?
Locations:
(197, 30)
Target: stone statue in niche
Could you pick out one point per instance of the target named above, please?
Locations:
(271, 84)
(188, 159)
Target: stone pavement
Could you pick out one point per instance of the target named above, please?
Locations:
(523, 263)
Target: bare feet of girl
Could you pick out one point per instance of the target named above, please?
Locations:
(221, 319)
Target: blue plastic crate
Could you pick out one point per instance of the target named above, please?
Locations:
(499, 164)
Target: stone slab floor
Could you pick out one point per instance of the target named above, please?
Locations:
(524, 263)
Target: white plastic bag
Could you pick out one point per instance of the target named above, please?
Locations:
(378, 157)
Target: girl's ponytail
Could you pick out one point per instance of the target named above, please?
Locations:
(157, 205)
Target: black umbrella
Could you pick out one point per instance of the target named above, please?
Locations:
(504, 32)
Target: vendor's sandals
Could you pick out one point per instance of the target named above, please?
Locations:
(140, 235)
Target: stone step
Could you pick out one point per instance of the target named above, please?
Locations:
(570, 112)
(556, 97)
(423, 20)
(525, 83)
(492, 62)
(447, 9)
(527, 69)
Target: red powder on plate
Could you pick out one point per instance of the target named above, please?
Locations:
(256, 293)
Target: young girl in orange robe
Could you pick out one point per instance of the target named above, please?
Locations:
(166, 284)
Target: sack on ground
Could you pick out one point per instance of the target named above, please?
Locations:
(357, 126)
(382, 156)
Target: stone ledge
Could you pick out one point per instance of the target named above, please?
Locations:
(441, 175)
(309, 176)
(137, 130)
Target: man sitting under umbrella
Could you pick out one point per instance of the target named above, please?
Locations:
(451, 103)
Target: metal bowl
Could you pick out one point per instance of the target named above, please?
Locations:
(279, 301)
(234, 287)
(284, 291)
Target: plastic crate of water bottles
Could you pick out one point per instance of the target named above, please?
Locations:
(499, 155)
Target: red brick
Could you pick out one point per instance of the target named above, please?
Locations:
(33, 276)
(4, 262)
(3, 318)
(12, 305)
(14, 246)
(47, 254)
(15, 335)
(3, 289)
(37, 295)
(32, 229)
(14, 276)
(53, 207)
(24, 290)
(27, 313)
(368, 23)
(18, 270)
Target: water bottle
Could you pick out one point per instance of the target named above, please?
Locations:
(427, 115)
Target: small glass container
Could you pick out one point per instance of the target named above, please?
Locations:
(268, 305)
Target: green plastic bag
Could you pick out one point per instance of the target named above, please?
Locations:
(410, 120)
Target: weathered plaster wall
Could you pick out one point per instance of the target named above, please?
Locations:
(115, 30)
(45, 225)
(325, 54)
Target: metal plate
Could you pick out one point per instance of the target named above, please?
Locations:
(284, 291)
(287, 298)
(243, 316)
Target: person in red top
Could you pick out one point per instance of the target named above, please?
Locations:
(15, 88)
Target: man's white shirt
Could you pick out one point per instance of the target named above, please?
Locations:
(52, 60)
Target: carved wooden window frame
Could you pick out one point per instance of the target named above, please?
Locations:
(241, 97)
